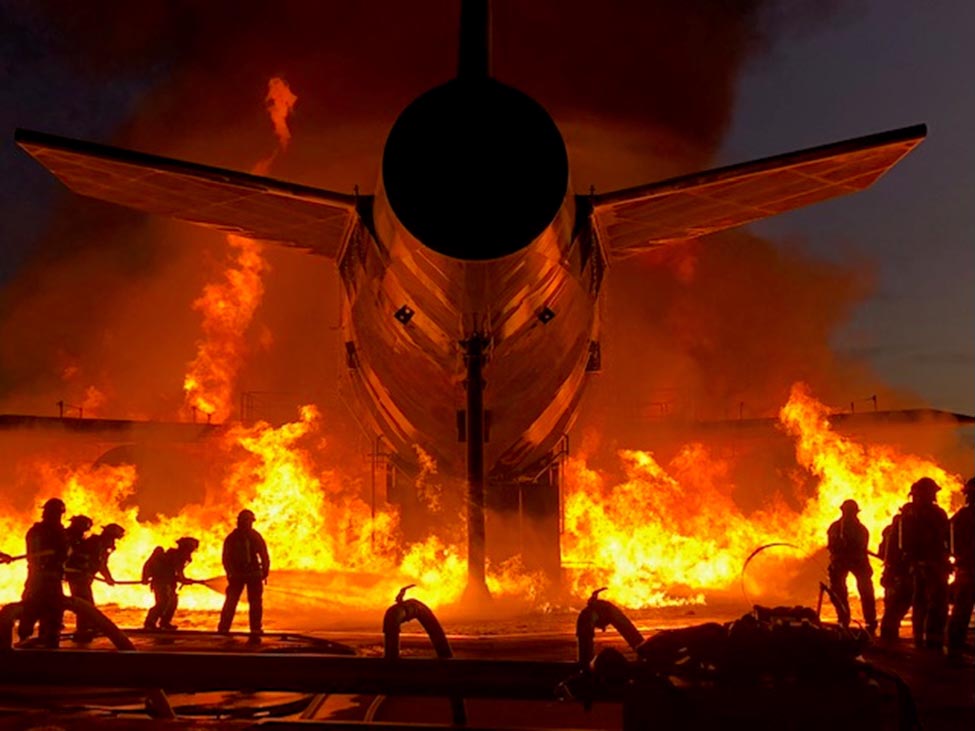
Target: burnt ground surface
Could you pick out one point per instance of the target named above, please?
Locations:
(943, 690)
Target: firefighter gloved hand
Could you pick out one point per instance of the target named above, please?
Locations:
(5, 558)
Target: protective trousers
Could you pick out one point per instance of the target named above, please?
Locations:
(961, 610)
(898, 593)
(80, 587)
(930, 600)
(165, 608)
(44, 603)
(255, 601)
(863, 574)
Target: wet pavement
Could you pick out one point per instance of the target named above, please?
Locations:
(943, 691)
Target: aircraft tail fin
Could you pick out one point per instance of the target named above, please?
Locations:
(474, 53)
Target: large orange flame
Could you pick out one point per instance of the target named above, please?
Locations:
(668, 534)
(227, 308)
(229, 305)
(312, 518)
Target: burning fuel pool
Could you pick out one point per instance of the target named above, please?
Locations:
(669, 534)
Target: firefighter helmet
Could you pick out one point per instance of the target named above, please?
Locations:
(925, 488)
(189, 543)
(113, 531)
(54, 506)
(81, 522)
(850, 506)
(246, 517)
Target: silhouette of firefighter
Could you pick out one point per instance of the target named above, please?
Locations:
(963, 589)
(923, 539)
(246, 561)
(164, 572)
(896, 580)
(75, 533)
(848, 540)
(86, 560)
(43, 599)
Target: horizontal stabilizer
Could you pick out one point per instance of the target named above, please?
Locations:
(232, 202)
(642, 218)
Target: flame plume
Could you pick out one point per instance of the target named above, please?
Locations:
(280, 101)
(228, 306)
(227, 309)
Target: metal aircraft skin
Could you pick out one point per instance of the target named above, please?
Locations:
(473, 232)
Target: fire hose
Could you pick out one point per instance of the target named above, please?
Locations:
(753, 554)
(402, 611)
(21, 557)
(208, 583)
(601, 613)
(157, 704)
(823, 587)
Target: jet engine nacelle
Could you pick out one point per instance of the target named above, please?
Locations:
(475, 170)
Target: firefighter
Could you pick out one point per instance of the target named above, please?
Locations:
(5, 557)
(847, 540)
(78, 526)
(85, 561)
(164, 572)
(896, 580)
(923, 539)
(43, 600)
(963, 550)
(246, 561)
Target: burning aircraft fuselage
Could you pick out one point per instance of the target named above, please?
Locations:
(474, 231)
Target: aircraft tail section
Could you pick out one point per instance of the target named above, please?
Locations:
(233, 202)
(671, 211)
(474, 52)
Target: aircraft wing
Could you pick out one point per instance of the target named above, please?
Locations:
(639, 219)
(232, 202)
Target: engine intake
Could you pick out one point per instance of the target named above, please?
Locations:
(475, 169)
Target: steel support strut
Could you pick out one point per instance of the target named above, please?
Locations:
(474, 358)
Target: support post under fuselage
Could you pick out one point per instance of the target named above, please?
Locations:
(474, 356)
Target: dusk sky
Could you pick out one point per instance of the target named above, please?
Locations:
(879, 65)
(831, 72)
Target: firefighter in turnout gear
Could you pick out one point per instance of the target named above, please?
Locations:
(87, 559)
(896, 580)
(848, 540)
(47, 549)
(77, 529)
(963, 550)
(923, 539)
(246, 561)
(164, 572)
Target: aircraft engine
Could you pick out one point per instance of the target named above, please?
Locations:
(475, 169)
